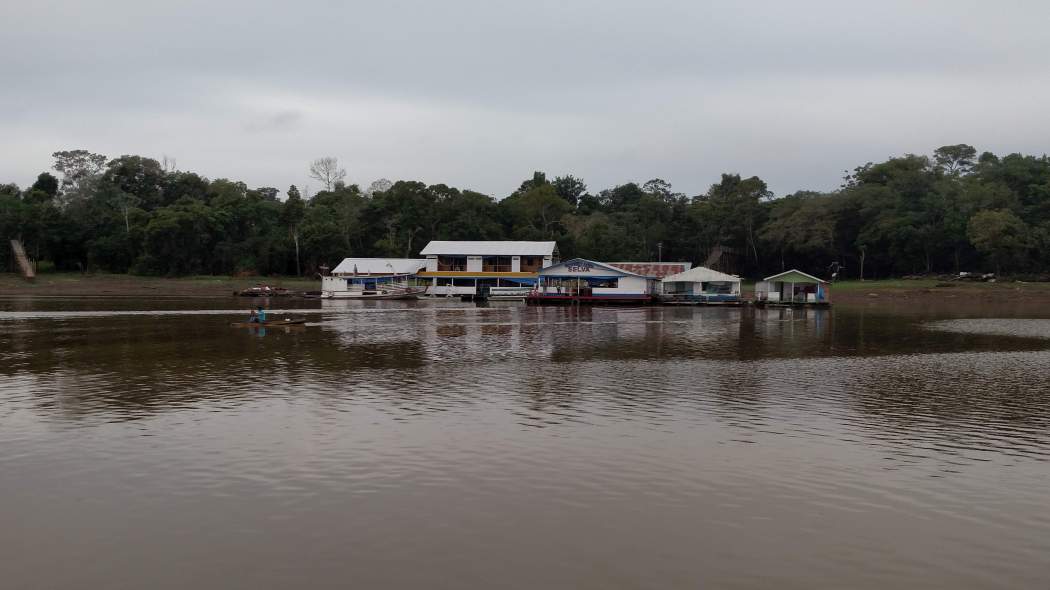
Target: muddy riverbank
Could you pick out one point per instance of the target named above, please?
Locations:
(115, 285)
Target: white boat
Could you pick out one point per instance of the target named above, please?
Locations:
(373, 278)
(508, 293)
(381, 291)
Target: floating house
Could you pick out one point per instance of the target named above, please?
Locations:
(463, 268)
(588, 282)
(792, 287)
(701, 285)
(353, 275)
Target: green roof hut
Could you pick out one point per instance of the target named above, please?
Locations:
(792, 287)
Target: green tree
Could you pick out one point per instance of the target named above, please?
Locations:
(77, 166)
(142, 178)
(179, 185)
(292, 215)
(536, 213)
(1000, 235)
(47, 184)
(802, 226)
(955, 159)
(538, 179)
(737, 212)
(569, 188)
(180, 239)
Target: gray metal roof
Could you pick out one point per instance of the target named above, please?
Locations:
(494, 248)
(380, 266)
(701, 274)
(561, 270)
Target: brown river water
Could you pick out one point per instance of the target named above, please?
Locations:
(435, 444)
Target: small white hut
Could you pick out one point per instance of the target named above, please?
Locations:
(701, 285)
(793, 287)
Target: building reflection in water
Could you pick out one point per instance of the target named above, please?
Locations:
(549, 362)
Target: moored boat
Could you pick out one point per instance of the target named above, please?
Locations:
(382, 291)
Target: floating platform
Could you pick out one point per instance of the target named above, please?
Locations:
(792, 304)
(738, 303)
(589, 299)
(716, 299)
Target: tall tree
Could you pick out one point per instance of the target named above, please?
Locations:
(292, 215)
(78, 168)
(143, 178)
(327, 171)
(955, 159)
(737, 209)
(569, 188)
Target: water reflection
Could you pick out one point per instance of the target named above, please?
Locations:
(732, 445)
(561, 364)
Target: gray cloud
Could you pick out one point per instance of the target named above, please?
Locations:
(479, 94)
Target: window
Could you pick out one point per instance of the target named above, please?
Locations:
(603, 283)
(452, 263)
(495, 263)
(531, 263)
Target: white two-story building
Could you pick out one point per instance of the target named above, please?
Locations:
(461, 267)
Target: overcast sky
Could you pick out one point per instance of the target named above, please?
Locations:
(479, 94)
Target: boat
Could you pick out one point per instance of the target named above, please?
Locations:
(509, 293)
(269, 323)
(264, 291)
(380, 291)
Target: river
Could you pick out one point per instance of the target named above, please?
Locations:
(436, 444)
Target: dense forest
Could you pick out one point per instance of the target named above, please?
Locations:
(911, 214)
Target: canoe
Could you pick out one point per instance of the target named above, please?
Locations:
(268, 323)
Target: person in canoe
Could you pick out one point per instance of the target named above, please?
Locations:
(258, 315)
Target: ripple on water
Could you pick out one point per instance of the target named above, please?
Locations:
(692, 445)
(1027, 328)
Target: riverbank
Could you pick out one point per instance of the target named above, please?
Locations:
(117, 285)
(921, 290)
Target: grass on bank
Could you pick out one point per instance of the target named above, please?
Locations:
(933, 284)
(62, 283)
(67, 283)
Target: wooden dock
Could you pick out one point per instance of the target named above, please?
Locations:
(24, 264)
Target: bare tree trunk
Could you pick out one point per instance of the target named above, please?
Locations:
(863, 255)
(295, 238)
(751, 238)
(408, 246)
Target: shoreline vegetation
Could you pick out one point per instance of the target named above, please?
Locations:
(953, 210)
(58, 284)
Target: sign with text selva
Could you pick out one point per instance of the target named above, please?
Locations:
(583, 267)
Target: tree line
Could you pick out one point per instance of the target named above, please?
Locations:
(947, 212)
